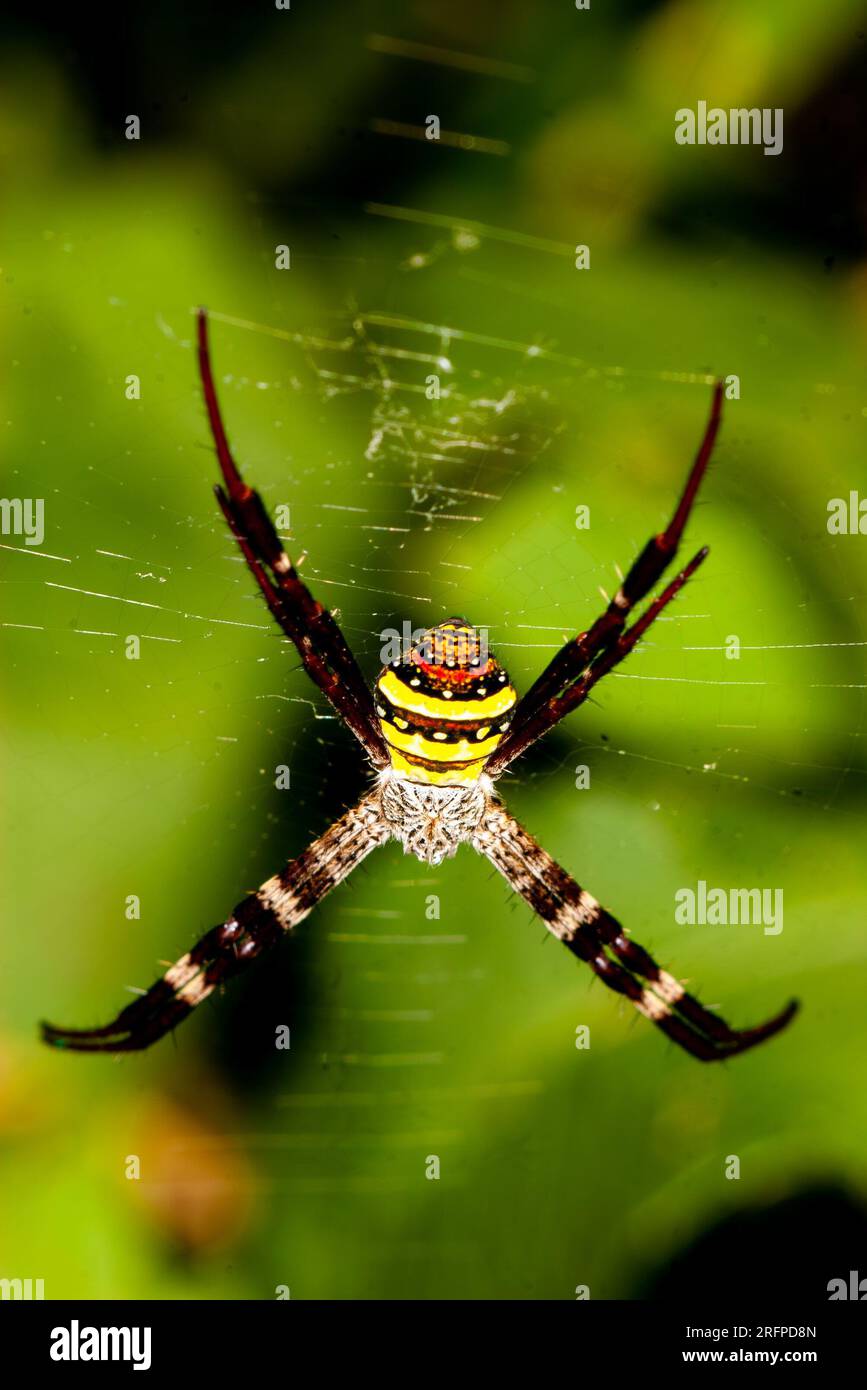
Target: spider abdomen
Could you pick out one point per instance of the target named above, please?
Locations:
(444, 708)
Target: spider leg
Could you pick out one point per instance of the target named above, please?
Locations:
(256, 924)
(546, 702)
(321, 645)
(561, 705)
(597, 938)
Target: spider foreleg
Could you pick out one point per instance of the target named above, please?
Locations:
(546, 702)
(315, 632)
(558, 706)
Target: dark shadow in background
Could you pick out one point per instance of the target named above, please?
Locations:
(784, 1252)
(162, 60)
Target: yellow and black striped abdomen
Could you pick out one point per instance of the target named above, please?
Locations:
(445, 707)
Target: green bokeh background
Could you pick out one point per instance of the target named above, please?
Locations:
(454, 1036)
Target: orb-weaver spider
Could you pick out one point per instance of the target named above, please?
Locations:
(441, 726)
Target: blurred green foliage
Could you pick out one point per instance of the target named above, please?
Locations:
(155, 777)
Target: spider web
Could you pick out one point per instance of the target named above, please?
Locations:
(425, 479)
(422, 488)
(430, 473)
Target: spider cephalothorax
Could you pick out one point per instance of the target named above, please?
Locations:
(432, 821)
(441, 726)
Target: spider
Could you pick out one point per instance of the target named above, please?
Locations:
(441, 725)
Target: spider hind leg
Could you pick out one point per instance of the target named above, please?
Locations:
(596, 938)
(256, 924)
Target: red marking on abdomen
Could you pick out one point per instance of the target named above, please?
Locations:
(451, 675)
